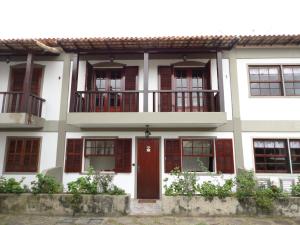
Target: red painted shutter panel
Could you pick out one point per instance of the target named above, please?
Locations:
(123, 155)
(165, 74)
(131, 99)
(224, 156)
(172, 154)
(74, 155)
(89, 83)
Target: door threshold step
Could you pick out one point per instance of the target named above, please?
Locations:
(147, 200)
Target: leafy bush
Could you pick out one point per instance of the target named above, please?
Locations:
(11, 185)
(245, 185)
(225, 190)
(185, 183)
(84, 185)
(296, 189)
(210, 190)
(95, 183)
(265, 197)
(45, 184)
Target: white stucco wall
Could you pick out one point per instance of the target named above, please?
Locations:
(153, 78)
(51, 85)
(47, 158)
(265, 108)
(127, 181)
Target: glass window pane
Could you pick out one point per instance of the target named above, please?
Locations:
(287, 70)
(295, 144)
(255, 92)
(253, 71)
(263, 71)
(275, 92)
(254, 77)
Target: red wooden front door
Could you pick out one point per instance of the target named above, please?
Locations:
(148, 168)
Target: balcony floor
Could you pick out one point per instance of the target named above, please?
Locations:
(20, 120)
(154, 119)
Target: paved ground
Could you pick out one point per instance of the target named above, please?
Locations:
(145, 220)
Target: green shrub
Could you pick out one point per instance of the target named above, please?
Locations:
(94, 183)
(84, 185)
(11, 185)
(225, 190)
(296, 189)
(265, 197)
(208, 190)
(45, 184)
(185, 183)
(245, 185)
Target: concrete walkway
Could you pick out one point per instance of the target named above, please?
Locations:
(145, 220)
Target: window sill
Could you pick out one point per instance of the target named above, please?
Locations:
(101, 172)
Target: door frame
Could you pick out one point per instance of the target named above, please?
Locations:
(159, 138)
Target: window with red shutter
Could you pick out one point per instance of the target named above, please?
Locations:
(108, 154)
(172, 154)
(224, 156)
(165, 73)
(22, 154)
(123, 156)
(74, 155)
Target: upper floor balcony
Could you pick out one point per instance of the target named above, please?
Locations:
(114, 94)
(21, 106)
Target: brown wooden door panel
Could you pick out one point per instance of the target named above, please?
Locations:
(148, 168)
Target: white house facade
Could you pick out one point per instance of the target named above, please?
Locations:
(139, 107)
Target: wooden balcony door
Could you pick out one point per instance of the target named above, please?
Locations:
(183, 81)
(108, 81)
(17, 84)
(186, 80)
(106, 89)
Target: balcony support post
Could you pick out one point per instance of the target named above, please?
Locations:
(220, 81)
(146, 79)
(27, 83)
(74, 82)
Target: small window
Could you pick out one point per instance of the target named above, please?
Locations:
(265, 81)
(197, 155)
(22, 154)
(271, 156)
(295, 155)
(291, 75)
(100, 154)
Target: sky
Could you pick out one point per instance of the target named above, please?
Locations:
(141, 18)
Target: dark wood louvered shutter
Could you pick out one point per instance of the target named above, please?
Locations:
(165, 73)
(224, 156)
(131, 99)
(89, 81)
(22, 154)
(74, 155)
(123, 155)
(172, 154)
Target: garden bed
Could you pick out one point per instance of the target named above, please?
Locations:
(64, 204)
(201, 206)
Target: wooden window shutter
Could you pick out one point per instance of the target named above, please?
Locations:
(131, 99)
(224, 156)
(165, 74)
(89, 83)
(123, 155)
(172, 154)
(74, 155)
(22, 155)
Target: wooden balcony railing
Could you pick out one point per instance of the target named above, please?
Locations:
(162, 101)
(186, 101)
(107, 101)
(11, 102)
